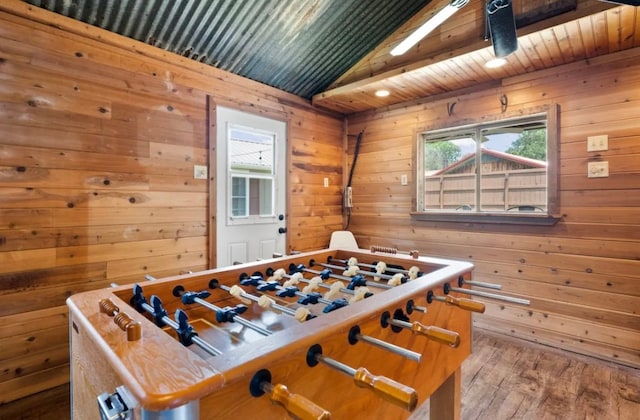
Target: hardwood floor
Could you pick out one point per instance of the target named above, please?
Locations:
(507, 378)
(52, 404)
(504, 378)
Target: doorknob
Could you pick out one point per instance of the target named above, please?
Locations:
(282, 230)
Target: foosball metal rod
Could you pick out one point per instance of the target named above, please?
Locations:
(310, 297)
(355, 335)
(328, 286)
(462, 303)
(519, 301)
(400, 321)
(354, 282)
(280, 273)
(184, 325)
(161, 318)
(364, 273)
(272, 285)
(359, 272)
(324, 275)
(301, 314)
(297, 277)
(389, 269)
(256, 299)
(462, 282)
(411, 307)
(388, 389)
(296, 405)
(194, 297)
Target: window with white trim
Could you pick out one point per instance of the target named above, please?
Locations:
(503, 168)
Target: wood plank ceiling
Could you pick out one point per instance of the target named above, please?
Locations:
(452, 57)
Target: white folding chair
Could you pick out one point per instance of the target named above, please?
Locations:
(343, 239)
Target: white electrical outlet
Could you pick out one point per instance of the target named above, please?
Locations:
(199, 172)
(326, 182)
(598, 169)
(597, 143)
(403, 179)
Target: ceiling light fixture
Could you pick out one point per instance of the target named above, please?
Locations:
(435, 21)
(382, 93)
(502, 26)
(494, 63)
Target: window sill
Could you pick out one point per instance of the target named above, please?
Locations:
(497, 218)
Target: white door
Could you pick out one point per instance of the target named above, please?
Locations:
(251, 163)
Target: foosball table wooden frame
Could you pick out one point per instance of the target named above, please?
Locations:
(126, 366)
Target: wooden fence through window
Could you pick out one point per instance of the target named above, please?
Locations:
(521, 189)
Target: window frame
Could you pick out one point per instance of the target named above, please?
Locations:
(549, 218)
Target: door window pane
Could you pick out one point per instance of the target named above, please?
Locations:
(251, 165)
(239, 196)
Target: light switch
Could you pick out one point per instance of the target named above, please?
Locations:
(403, 179)
(597, 143)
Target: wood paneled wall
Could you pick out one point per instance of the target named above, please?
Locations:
(582, 275)
(98, 138)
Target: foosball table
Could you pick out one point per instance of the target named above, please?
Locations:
(331, 333)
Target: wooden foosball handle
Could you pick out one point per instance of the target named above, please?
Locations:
(121, 319)
(297, 405)
(467, 304)
(450, 338)
(388, 389)
(128, 325)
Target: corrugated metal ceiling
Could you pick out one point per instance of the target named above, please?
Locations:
(300, 46)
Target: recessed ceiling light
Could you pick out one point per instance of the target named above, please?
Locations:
(382, 93)
(495, 63)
